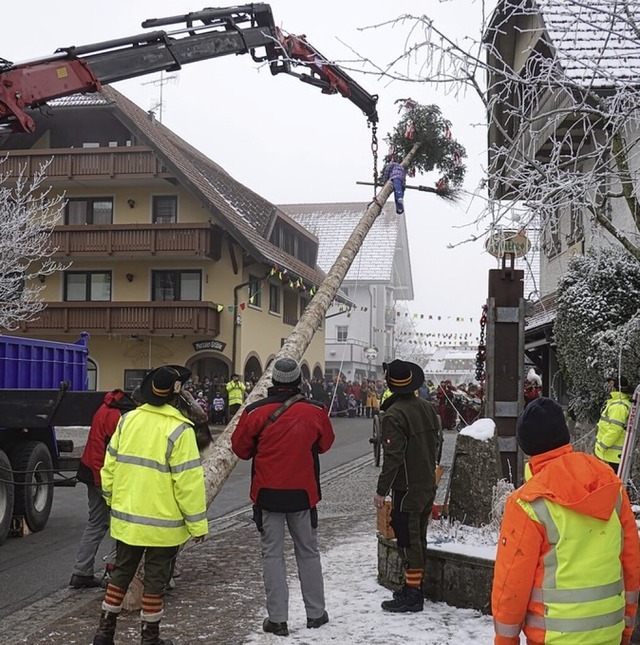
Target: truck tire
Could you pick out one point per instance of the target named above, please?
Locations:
(33, 464)
(6, 496)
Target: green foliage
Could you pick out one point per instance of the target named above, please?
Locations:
(438, 150)
(595, 326)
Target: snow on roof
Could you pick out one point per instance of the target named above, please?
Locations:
(333, 223)
(595, 40)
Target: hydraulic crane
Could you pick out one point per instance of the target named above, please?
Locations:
(205, 34)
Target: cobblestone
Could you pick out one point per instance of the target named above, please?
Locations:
(219, 596)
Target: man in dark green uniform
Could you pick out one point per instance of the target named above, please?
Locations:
(410, 438)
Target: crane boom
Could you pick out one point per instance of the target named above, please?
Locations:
(205, 34)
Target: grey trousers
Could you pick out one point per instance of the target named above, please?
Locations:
(94, 532)
(305, 544)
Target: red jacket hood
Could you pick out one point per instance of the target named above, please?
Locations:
(575, 480)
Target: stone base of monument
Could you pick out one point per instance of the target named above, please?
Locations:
(458, 579)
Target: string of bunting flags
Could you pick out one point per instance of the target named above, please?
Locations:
(257, 285)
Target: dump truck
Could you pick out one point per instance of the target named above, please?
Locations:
(43, 385)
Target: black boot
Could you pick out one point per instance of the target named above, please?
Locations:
(407, 599)
(279, 629)
(106, 628)
(151, 634)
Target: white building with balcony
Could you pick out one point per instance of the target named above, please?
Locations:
(379, 276)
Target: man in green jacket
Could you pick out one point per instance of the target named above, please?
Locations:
(410, 439)
(153, 481)
(613, 422)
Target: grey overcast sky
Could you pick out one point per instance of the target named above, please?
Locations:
(285, 139)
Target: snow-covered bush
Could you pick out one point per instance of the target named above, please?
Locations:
(595, 327)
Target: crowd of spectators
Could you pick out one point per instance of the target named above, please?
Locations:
(458, 405)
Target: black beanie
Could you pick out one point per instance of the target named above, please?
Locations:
(542, 427)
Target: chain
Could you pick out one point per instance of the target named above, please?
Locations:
(481, 356)
(374, 150)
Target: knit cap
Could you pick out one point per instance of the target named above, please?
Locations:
(542, 427)
(286, 371)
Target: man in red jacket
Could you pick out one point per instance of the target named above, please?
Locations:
(103, 425)
(284, 434)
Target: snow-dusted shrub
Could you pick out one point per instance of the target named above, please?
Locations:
(595, 327)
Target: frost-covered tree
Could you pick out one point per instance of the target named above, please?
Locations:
(596, 326)
(560, 85)
(27, 217)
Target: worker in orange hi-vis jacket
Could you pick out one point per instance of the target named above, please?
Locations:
(568, 560)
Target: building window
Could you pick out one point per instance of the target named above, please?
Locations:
(552, 245)
(255, 291)
(290, 307)
(176, 285)
(89, 210)
(342, 333)
(87, 286)
(274, 298)
(576, 227)
(133, 378)
(165, 209)
(303, 304)
(294, 243)
(92, 375)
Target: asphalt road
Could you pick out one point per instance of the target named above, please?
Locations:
(35, 566)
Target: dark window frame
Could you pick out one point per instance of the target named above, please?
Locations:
(157, 273)
(154, 202)
(275, 290)
(91, 202)
(255, 291)
(87, 274)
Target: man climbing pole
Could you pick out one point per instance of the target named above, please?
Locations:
(394, 172)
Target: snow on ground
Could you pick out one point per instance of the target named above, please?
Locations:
(353, 602)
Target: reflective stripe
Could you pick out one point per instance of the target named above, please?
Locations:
(146, 463)
(550, 594)
(629, 621)
(187, 465)
(174, 436)
(575, 624)
(508, 631)
(146, 521)
(553, 536)
(584, 594)
(105, 493)
(140, 461)
(112, 451)
(196, 518)
(613, 422)
(605, 447)
(631, 597)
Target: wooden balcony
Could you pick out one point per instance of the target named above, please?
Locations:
(156, 318)
(86, 163)
(177, 240)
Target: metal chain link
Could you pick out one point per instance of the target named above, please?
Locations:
(481, 356)
(374, 150)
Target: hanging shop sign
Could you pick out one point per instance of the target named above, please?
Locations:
(216, 345)
(370, 353)
(500, 243)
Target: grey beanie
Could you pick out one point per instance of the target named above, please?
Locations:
(286, 371)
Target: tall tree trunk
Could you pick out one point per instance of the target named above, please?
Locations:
(221, 461)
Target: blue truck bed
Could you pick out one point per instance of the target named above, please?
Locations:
(27, 363)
